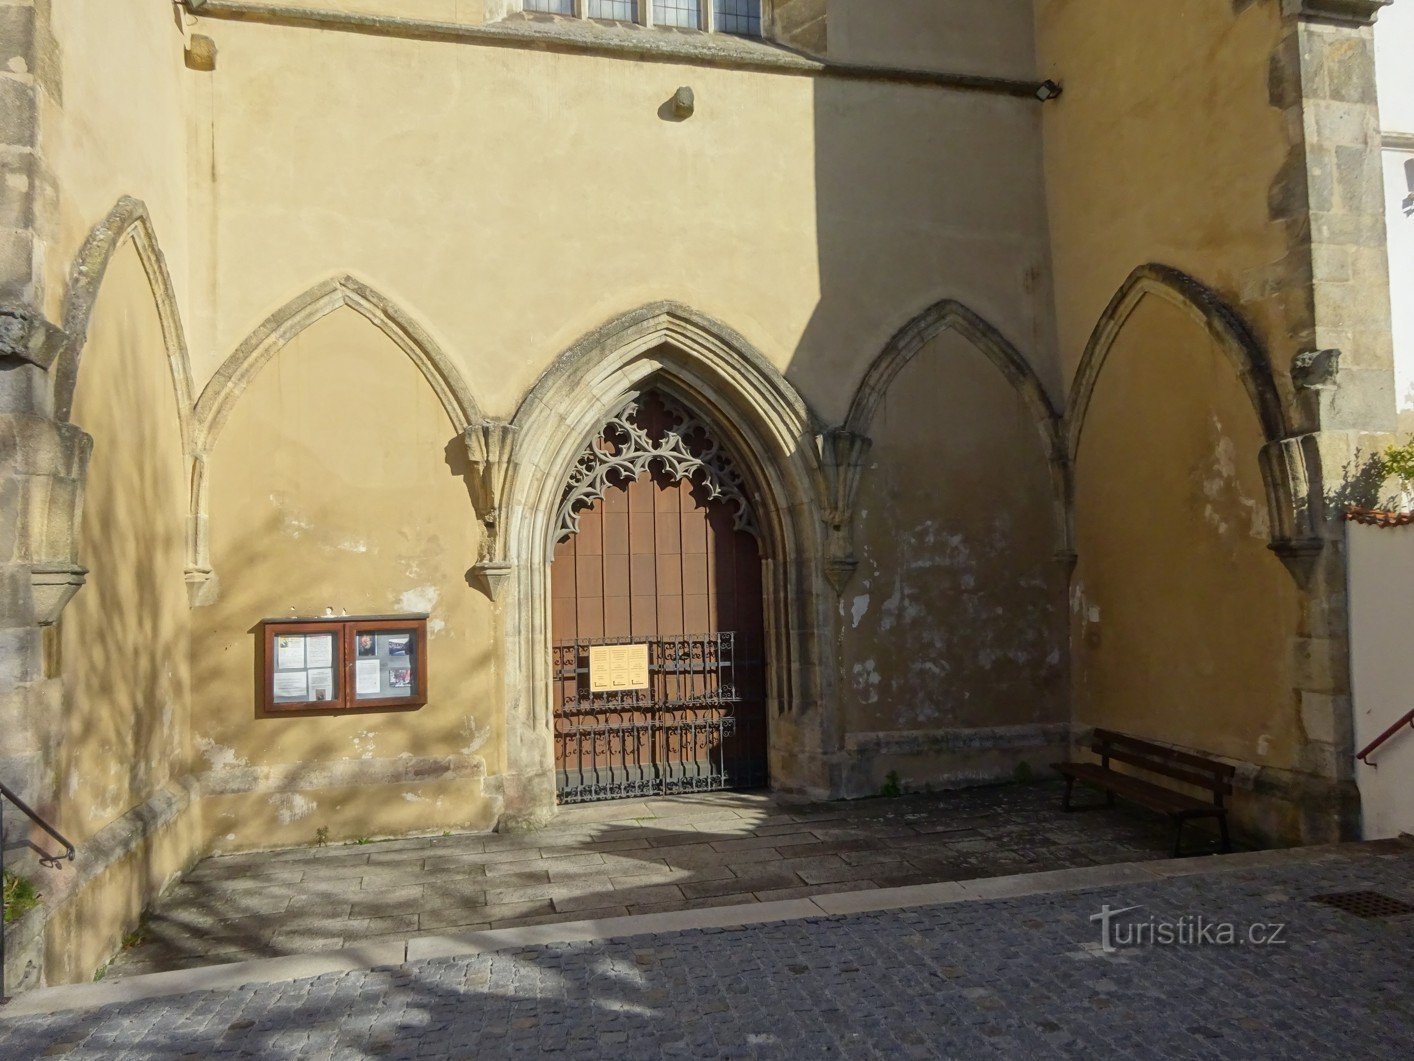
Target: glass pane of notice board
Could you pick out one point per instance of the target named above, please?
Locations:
(359, 662)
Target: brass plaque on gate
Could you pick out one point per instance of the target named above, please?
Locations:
(615, 668)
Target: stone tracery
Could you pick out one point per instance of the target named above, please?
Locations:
(631, 442)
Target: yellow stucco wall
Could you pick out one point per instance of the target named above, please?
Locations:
(1139, 169)
(955, 617)
(115, 122)
(989, 37)
(1182, 620)
(124, 656)
(338, 484)
(125, 637)
(538, 195)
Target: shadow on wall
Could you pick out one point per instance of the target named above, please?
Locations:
(955, 617)
(334, 489)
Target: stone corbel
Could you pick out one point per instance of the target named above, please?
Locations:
(27, 336)
(842, 455)
(491, 445)
(1294, 504)
(50, 463)
(1350, 12)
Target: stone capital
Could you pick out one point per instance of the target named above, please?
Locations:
(1350, 12)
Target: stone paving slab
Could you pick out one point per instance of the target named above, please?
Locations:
(1025, 976)
(622, 858)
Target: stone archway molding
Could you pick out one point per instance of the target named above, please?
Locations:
(1293, 497)
(55, 572)
(220, 395)
(127, 221)
(906, 344)
(723, 379)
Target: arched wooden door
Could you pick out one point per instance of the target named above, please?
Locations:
(657, 615)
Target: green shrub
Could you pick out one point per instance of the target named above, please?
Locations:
(1399, 462)
(20, 897)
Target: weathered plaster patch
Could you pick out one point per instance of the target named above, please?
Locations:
(218, 756)
(419, 599)
(435, 627)
(860, 607)
(1223, 491)
(353, 546)
(866, 681)
(291, 806)
(363, 743)
(413, 797)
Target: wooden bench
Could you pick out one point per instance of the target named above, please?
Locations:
(1208, 775)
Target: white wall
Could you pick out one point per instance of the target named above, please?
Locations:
(1394, 57)
(1382, 676)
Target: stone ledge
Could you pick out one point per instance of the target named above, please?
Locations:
(303, 777)
(611, 40)
(984, 738)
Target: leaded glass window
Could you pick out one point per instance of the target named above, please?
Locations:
(738, 16)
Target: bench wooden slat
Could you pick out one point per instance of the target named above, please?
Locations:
(1224, 770)
(1186, 768)
(1139, 791)
(1178, 773)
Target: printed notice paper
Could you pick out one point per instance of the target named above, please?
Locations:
(291, 685)
(319, 650)
(321, 683)
(367, 678)
(289, 652)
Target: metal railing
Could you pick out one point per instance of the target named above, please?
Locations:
(1363, 756)
(47, 860)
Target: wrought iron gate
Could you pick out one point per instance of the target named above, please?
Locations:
(695, 728)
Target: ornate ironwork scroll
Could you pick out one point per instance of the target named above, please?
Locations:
(626, 447)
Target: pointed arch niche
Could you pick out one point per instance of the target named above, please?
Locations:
(236, 374)
(720, 378)
(951, 654)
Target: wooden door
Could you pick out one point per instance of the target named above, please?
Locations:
(659, 555)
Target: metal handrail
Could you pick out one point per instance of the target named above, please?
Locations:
(49, 860)
(1407, 720)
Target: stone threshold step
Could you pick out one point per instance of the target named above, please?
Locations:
(422, 947)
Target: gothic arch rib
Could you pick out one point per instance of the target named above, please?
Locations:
(1294, 499)
(718, 375)
(949, 314)
(219, 396)
(128, 221)
(702, 362)
(1226, 327)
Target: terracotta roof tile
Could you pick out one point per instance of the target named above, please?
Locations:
(1378, 517)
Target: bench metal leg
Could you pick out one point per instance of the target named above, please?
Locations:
(1227, 840)
(1069, 791)
(1178, 838)
(1109, 797)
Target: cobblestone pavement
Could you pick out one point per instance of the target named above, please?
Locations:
(1022, 977)
(616, 859)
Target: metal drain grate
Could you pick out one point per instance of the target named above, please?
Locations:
(1365, 904)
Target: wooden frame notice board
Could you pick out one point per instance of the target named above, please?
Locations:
(358, 663)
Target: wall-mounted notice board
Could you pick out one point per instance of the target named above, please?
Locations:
(360, 662)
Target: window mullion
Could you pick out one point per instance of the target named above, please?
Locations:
(709, 15)
(581, 8)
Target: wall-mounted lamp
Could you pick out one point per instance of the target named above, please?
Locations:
(1048, 90)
